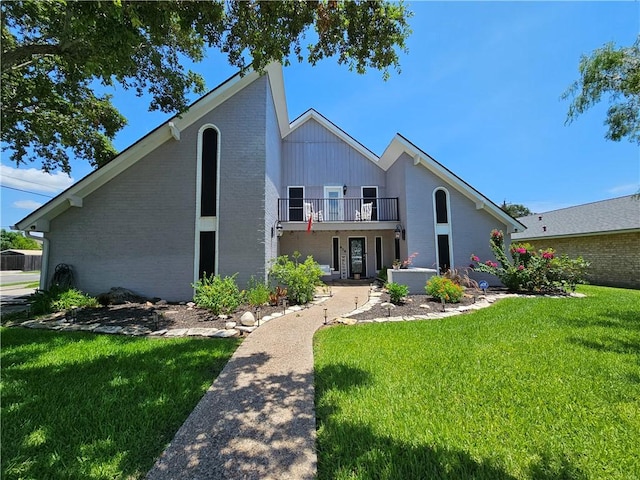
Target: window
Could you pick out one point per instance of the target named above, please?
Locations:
(335, 255)
(378, 253)
(441, 207)
(207, 263)
(209, 170)
(442, 220)
(370, 195)
(296, 204)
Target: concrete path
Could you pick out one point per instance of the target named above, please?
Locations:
(257, 421)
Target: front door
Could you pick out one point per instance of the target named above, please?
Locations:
(357, 257)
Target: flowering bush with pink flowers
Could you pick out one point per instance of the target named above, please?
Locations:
(528, 270)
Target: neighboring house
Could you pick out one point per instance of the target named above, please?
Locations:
(230, 184)
(26, 260)
(605, 233)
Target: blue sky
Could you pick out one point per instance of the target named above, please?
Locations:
(480, 91)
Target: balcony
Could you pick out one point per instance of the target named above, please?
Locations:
(358, 213)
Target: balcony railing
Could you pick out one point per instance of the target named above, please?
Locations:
(338, 209)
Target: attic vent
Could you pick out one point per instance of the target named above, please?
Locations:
(544, 228)
(539, 218)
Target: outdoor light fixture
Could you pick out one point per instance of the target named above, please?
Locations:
(344, 189)
(325, 315)
(397, 231)
(278, 229)
(356, 300)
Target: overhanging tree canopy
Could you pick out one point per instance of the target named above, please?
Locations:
(53, 52)
(614, 72)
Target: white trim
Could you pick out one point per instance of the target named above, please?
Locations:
(326, 190)
(161, 134)
(206, 224)
(400, 145)
(443, 228)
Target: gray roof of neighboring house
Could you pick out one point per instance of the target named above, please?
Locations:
(15, 251)
(606, 216)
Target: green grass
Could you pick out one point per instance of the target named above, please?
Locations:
(84, 406)
(537, 388)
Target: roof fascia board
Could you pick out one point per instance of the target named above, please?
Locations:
(400, 145)
(276, 82)
(573, 235)
(166, 131)
(337, 131)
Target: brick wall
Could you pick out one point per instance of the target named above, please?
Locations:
(614, 258)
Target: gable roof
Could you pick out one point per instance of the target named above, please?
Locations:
(400, 145)
(170, 131)
(167, 131)
(312, 114)
(616, 215)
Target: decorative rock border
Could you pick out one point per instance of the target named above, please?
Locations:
(59, 322)
(482, 301)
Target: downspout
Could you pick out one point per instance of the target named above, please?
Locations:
(44, 270)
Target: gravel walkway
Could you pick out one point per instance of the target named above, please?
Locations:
(257, 421)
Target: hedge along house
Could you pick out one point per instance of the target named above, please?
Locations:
(231, 184)
(605, 233)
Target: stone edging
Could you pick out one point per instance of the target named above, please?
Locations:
(55, 322)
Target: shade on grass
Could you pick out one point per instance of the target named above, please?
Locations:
(530, 388)
(78, 405)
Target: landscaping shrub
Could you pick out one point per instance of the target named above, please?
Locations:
(218, 294)
(444, 288)
(57, 299)
(397, 292)
(257, 292)
(529, 270)
(301, 279)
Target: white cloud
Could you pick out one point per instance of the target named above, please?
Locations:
(27, 204)
(622, 190)
(34, 180)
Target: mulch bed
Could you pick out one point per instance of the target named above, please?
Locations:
(172, 316)
(169, 316)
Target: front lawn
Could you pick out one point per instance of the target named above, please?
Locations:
(530, 388)
(84, 406)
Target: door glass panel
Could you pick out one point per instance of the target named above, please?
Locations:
(356, 256)
(333, 209)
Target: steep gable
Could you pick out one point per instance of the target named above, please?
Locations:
(169, 131)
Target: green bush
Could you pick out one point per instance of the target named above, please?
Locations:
(532, 271)
(397, 292)
(57, 299)
(218, 294)
(301, 279)
(257, 292)
(382, 274)
(445, 289)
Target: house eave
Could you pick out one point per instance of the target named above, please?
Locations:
(170, 130)
(400, 145)
(525, 238)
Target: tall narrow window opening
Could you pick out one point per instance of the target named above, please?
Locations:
(207, 262)
(378, 253)
(441, 207)
(209, 165)
(335, 255)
